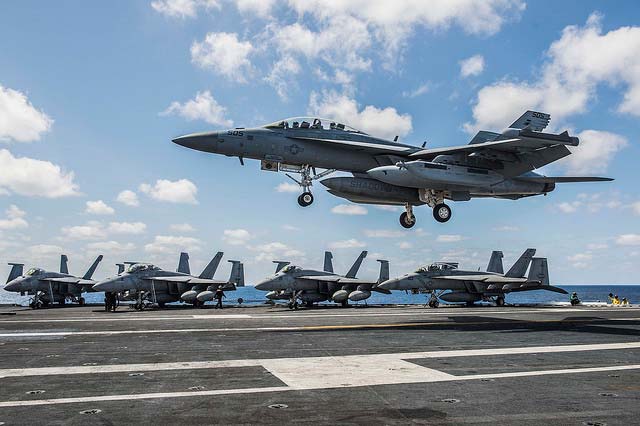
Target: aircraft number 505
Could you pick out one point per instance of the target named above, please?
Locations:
(235, 132)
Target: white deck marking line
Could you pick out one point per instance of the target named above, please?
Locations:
(136, 317)
(441, 378)
(289, 328)
(365, 361)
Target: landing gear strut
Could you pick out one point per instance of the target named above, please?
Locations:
(306, 180)
(407, 219)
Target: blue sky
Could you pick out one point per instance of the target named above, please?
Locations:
(92, 93)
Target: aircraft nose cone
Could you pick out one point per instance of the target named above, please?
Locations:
(264, 285)
(12, 286)
(106, 286)
(389, 284)
(198, 141)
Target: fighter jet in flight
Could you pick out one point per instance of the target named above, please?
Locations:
(49, 287)
(497, 165)
(445, 281)
(311, 286)
(147, 284)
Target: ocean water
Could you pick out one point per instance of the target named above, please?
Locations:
(251, 296)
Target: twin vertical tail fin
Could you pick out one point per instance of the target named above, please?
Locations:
(64, 268)
(280, 264)
(328, 262)
(495, 263)
(237, 273)
(210, 270)
(183, 264)
(520, 267)
(539, 271)
(356, 265)
(384, 271)
(92, 268)
(16, 271)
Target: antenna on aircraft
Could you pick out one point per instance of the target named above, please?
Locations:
(395, 139)
(424, 144)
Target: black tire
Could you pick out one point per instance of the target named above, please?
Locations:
(38, 305)
(470, 304)
(442, 212)
(345, 304)
(305, 199)
(500, 301)
(405, 222)
(290, 305)
(81, 301)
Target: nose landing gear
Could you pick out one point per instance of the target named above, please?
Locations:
(407, 219)
(306, 180)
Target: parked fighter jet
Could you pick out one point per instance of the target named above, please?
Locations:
(497, 165)
(48, 287)
(311, 286)
(473, 286)
(147, 284)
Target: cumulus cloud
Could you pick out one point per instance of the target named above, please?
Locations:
(628, 240)
(280, 75)
(35, 178)
(449, 238)
(275, 250)
(20, 121)
(179, 191)
(288, 187)
(128, 197)
(92, 230)
(172, 244)
(636, 208)
(202, 107)
(350, 243)
(595, 152)
(109, 247)
(418, 91)
(224, 54)
(182, 227)
(183, 8)
(126, 228)
(472, 66)
(261, 8)
(14, 219)
(349, 209)
(384, 233)
(99, 207)
(385, 123)
(580, 61)
(236, 237)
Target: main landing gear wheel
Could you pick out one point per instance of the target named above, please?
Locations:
(500, 301)
(407, 221)
(433, 303)
(305, 199)
(442, 212)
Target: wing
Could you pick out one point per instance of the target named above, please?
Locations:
(372, 145)
(186, 279)
(488, 279)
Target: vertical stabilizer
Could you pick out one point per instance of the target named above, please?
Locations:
(384, 271)
(356, 265)
(16, 271)
(64, 268)
(539, 270)
(280, 264)
(92, 268)
(237, 273)
(520, 267)
(183, 264)
(328, 262)
(495, 263)
(210, 270)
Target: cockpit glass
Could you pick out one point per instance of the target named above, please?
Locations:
(313, 123)
(140, 267)
(34, 271)
(289, 268)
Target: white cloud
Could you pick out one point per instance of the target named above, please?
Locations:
(595, 152)
(506, 228)
(280, 75)
(202, 107)
(472, 66)
(224, 54)
(171, 244)
(636, 208)
(580, 258)
(385, 123)
(129, 198)
(92, 230)
(183, 8)
(288, 227)
(384, 233)
(597, 246)
(236, 237)
(288, 187)
(449, 238)
(275, 250)
(35, 178)
(179, 191)
(418, 91)
(349, 209)
(628, 240)
(15, 219)
(581, 60)
(19, 120)
(404, 245)
(110, 247)
(261, 8)
(351, 243)
(569, 207)
(127, 227)
(182, 227)
(99, 207)
(44, 250)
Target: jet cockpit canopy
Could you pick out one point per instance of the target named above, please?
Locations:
(438, 266)
(311, 123)
(290, 268)
(34, 271)
(137, 267)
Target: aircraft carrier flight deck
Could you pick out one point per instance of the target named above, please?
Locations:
(375, 365)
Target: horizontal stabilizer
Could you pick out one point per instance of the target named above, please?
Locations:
(483, 136)
(565, 179)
